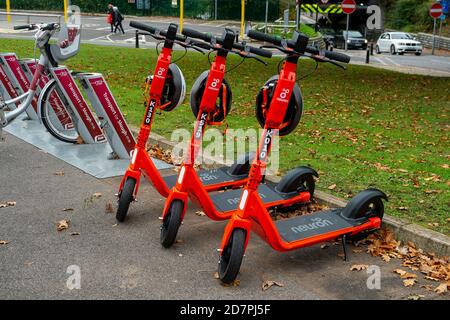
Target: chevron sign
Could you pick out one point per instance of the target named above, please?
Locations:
(314, 8)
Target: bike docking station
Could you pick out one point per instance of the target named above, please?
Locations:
(105, 142)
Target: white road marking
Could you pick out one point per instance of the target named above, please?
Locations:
(392, 61)
(380, 61)
(104, 28)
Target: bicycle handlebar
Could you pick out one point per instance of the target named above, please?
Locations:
(191, 33)
(277, 41)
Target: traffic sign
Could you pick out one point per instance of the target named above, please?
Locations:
(436, 10)
(445, 5)
(348, 6)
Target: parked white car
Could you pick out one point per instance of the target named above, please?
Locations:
(398, 42)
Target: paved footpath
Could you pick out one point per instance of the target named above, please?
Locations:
(126, 261)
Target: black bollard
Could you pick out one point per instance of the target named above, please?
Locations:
(367, 55)
(371, 49)
(137, 39)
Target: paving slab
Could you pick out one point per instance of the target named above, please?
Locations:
(126, 261)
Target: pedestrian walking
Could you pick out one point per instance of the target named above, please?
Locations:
(117, 18)
(110, 17)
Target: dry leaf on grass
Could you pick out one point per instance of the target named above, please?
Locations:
(409, 282)
(332, 187)
(269, 283)
(442, 288)
(109, 208)
(3, 242)
(358, 267)
(62, 225)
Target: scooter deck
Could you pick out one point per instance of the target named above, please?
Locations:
(209, 177)
(229, 200)
(315, 224)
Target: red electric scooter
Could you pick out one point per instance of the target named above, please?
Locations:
(167, 90)
(362, 214)
(296, 187)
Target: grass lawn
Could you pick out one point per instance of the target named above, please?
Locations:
(360, 128)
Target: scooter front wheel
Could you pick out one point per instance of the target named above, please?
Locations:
(171, 224)
(125, 198)
(231, 257)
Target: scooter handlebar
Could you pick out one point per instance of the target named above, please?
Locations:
(336, 56)
(143, 26)
(191, 33)
(23, 27)
(256, 35)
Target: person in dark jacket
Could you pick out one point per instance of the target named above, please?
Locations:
(118, 18)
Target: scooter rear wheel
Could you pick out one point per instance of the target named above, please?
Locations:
(125, 198)
(171, 224)
(231, 257)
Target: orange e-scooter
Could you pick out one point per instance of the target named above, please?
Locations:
(167, 91)
(296, 187)
(362, 214)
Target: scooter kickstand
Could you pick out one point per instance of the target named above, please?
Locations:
(344, 246)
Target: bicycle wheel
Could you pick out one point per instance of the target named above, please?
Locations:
(57, 116)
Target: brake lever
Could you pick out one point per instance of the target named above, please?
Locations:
(319, 58)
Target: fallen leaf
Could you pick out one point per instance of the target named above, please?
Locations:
(79, 140)
(400, 271)
(67, 209)
(269, 283)
(416, 297)
(3, 242)
(200, 213)
(75, 234)
(62, 225)
(216, 275)
(402, 208)
(357, 250)
(7, 204)
(358, 267)
(109, 208)
(179, 241)
(408, 275)
(323, 246)
(442, 288)
(235, 283)
(409, 282)
(385, 257)
(96, 195)
(58, 173)
(332, 187)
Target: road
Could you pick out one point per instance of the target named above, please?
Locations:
(126, 261)
(95, 31)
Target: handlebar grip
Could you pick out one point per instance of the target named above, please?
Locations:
(143, 26)
(260, 52)
(336, 56)
(256, 35)
(23, 27)
(191, 33)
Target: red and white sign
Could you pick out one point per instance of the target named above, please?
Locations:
(436, 11)
(348, 6)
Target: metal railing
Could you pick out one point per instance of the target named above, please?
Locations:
(29, 15)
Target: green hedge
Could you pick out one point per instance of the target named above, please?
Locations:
(203, 9)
